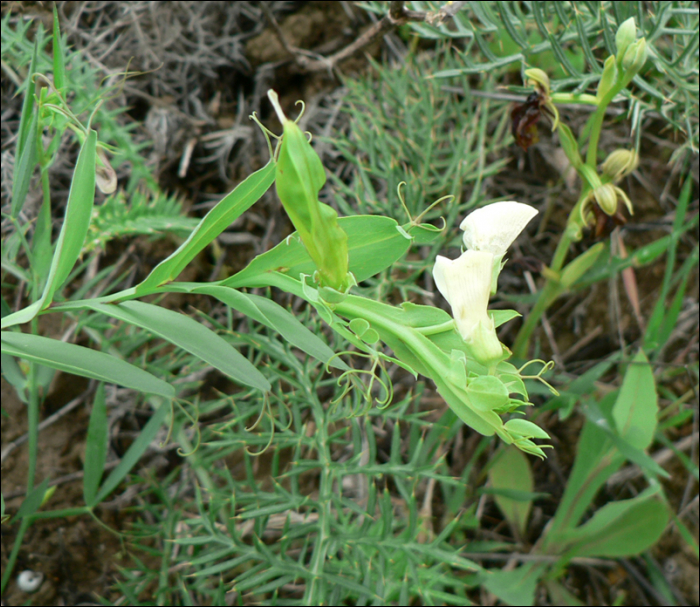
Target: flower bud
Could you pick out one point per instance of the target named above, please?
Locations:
(608, 77)
(626, 35)
(635, 57)
(606, 198)
(619, 164)
(538, 79)
(299, 178)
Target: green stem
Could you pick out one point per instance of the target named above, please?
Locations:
(445, 326)
(318, 558)
(24, 525)
(549, 293)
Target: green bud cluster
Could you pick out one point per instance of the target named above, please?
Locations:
(299, 178)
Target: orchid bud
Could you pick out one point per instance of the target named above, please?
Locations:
(619, 164)
(538, 79)
(626, 35)
(635, 57)
(608, 77)
(606, 198)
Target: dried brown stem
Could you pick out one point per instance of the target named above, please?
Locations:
(398, 15)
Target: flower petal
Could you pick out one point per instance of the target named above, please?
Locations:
(493, 228)
(466, 285)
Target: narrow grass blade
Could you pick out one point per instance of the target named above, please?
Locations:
(95, 447)
(133, 455)
(85, 362)
(75, 226)
(230, 208)
(267, 312)
(188, 334)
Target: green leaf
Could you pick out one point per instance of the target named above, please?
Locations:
(595, 462)
(73, 231)
(636, 407)
(622, 528)
(188, 334)
(515, 587)
(271, 314)
(95, 447)
(77, 219)
(134, 453)
(579, 266)
(28, 103)
(511, 470)
(230, 208)
(25, 167)
(559, 595)
(85, 362)
(581, 386)
(59, 55)
(33, 501)
(374, 243)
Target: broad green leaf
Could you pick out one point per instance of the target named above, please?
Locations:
(559, 595)
(622, 528)
(134, 453)
(374, 243)
(85, 362)
(230, 208)
(514, 587)
(95, 447)
(637, 456)
(188, 334)
(595, 462)
(636, 407)
(511, 470)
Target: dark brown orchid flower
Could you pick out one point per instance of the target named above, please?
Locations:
(604, 223)
(524, 118)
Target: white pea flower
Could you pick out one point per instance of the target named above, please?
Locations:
(493, 228)
(467, 282)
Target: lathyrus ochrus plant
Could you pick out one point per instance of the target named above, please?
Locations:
(466, 360)
(601, 202)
